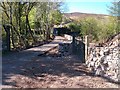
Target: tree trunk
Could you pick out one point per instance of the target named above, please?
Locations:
(20, 37)
(47, 33)
(29, 28)
(19, 18)
(47, 23)
(12, 32)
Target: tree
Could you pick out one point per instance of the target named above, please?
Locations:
(115, 8)
(8, 8)
(74, 26)
(115, 11)
(25, 17)
(48, 14)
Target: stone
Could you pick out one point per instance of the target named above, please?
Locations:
(101, 53)
(106, 52)
(91, 57)
(92, 63)
(64, 49)
(99, 72)
(94, 59)
(106, 60)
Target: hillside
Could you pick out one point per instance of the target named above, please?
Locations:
(78, 15)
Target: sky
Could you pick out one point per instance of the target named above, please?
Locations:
(88, 6)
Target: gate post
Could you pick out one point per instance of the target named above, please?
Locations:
(86, 47)
(73, 45)
(7, 29)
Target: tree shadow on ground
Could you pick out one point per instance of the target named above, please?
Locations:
(30, 65)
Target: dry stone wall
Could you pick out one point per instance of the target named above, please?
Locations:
(105, 61)
(64, 48)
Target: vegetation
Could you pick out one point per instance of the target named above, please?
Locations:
(30, 22)
(99, 29)
(115, 11)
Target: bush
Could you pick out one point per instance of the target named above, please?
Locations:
(74, 26)
(100, 30)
